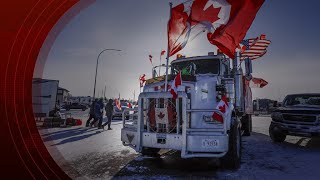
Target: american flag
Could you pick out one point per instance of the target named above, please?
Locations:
(254, 48)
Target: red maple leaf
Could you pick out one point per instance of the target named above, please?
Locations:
(161, 115)
(217, 116)
(199, 13)
(222, 108)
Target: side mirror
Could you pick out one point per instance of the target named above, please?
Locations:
(275, 104)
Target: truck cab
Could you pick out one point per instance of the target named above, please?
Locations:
(187, 123)
(299, 115)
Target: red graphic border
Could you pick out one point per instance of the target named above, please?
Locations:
(27, 28)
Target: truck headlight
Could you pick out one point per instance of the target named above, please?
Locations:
(277, 116)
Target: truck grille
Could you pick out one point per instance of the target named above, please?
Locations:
(305, 112)
(300, 118)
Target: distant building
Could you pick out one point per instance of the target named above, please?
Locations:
(63, 95)
(263, 106)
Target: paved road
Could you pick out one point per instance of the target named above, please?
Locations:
(97, 154)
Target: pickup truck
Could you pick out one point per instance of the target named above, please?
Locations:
(76, 106)
(299, 115)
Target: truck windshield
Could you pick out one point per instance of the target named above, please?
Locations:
(302, 100)
(205, 66)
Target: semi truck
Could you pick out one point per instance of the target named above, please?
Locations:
(187, 123)
(44, 96)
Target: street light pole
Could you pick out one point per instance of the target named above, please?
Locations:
(95, 78)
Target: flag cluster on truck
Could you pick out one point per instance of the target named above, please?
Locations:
(225, 21)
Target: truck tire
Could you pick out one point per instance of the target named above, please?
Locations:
(147, 151)
(232, 159)
(247, 125)
(276, 133)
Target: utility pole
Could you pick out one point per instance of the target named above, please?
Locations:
(95, 78)
(134, 95)
(104, 94)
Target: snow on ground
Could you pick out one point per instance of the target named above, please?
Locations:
(90, 153)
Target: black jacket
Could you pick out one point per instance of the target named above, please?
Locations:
(109, 109)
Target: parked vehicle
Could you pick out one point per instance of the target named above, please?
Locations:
(76, 105)
(117, 113)
(44, 96)
(263, 106)
(299, 115)
(187, 124)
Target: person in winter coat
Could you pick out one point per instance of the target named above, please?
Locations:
(101, 104)
(91, 113)
(109, 112)
(98, 109)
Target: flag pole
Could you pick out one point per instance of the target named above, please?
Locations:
(139, 84)
(160, 64)
(134, 95)
(168, 55)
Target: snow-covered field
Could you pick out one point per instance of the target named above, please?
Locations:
(89, 153)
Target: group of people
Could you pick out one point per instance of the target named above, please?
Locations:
(96, 113)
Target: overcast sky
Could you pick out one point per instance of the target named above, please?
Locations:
(139, 27)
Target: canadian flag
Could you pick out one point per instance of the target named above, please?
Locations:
(258, 82)
(227, 36)
(174, 86)
(223, 107)
(118, 105)
(129, 105)
(225, 21)
(162, 53)
(142, 80)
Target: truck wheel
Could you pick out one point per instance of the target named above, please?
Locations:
(147, 151)
(232, 159)
(276, 133)
(247, 125)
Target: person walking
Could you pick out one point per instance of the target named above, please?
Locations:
(101, 105)
(91, 113)
(97, 114)
(109, 112)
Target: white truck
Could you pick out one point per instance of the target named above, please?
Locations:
(44, 96)
(187, 124)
